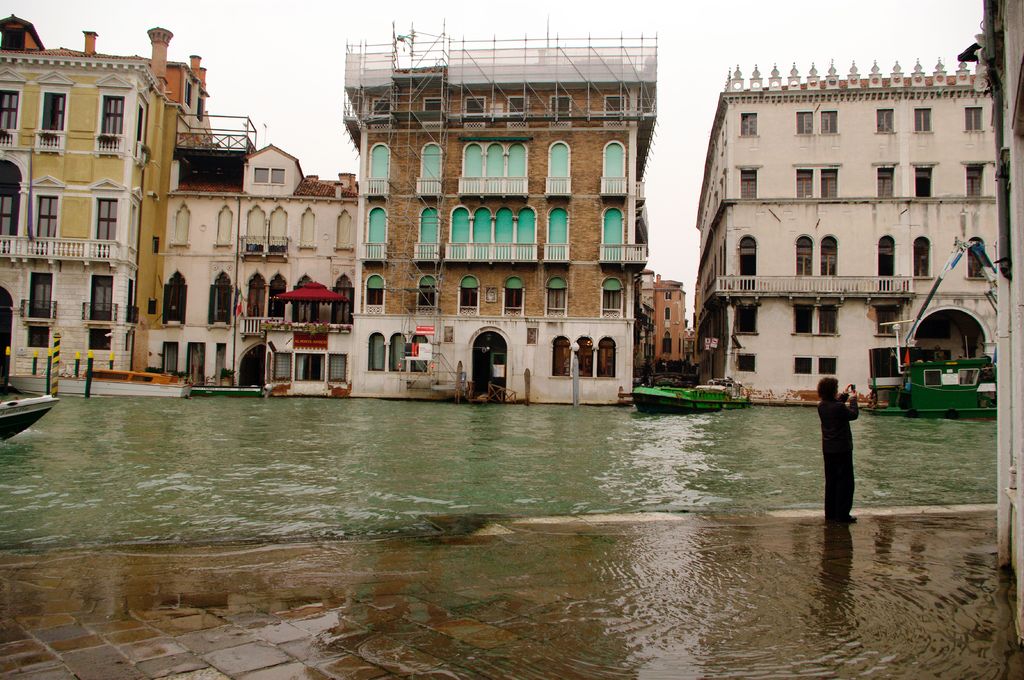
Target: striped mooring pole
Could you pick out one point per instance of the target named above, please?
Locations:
(55, 361)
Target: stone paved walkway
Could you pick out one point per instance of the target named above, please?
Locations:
(900, 594)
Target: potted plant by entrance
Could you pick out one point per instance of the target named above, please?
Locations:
(227, 377)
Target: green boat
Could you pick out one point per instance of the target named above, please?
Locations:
(699, 399)
(931, 387)
(227, 391)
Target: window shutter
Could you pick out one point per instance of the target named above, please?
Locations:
(167, 299)
(211, 312)
(183, 303)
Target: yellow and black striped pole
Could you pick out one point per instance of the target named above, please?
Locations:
(55, 362)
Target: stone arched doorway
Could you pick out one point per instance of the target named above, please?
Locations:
(252, 367)
(950, 334)
(6, 317)
(490, 361)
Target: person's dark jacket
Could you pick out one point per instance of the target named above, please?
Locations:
(835, 425)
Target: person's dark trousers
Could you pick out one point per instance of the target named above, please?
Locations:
(838, 485)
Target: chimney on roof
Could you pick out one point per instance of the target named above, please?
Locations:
(194, 61)
(348, 180)
(159, 38)
(314, 177)
(202, 76)
(90, 42)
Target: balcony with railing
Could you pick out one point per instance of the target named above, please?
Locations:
(847, 286)
(613, 186)
(428, 186)
(556, 252)
(377, 186)
(99, 311)
(8, 139)
(493, 186)
(558, 186)
(624, 253)
(491, 252)
(216, 134)
(373, 252)
(107, 143)
(82, 250)
(39, 309)
(426, 252)
(640, 192)
(50, 141)
(264, 246)
(257, 325)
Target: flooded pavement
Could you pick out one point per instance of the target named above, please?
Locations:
(900, 594)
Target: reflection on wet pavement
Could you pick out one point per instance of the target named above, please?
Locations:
(896, 595)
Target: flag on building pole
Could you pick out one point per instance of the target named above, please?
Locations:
(28, 221)
(238, 301)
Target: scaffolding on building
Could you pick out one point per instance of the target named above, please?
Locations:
(510, 83)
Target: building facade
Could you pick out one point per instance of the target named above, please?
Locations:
(242, 229)
(829, 206)
(669, 299)
(501, 218)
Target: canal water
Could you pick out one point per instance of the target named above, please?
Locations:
(104, 471)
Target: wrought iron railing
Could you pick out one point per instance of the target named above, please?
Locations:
(99, 311)
(39, 309)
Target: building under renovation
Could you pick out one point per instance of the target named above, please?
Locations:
(501, 214)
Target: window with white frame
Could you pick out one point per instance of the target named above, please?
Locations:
(556, 297)
(54, 104)
(282, 366)
(748, 125)
(337, 367)
(268, 175)
(829, 122)
(611, 297)
(309, 367)
(8, 110)
(469, 295)
(474, 105)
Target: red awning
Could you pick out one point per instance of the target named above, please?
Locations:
(311, 292)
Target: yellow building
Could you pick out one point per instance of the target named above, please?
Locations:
(86, 141)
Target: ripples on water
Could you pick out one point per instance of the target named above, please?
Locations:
(106, 470)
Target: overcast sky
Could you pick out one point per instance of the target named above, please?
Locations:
(281, 63)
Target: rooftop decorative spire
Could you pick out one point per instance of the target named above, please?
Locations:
(874, 69)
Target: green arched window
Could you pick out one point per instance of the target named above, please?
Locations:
(556, 296)
(611, 298)
(482, 226)
(558, 226)
(460, 226)
(377, 231)
(397, 352)
(428, 225)
(469, 293)
(503, 226)
(495, 161)
(612, 226)
(375, 290)
(473, 164)
(516, 160)
(376, 353)
(380, 159)
(614, 160)
(513, 296)
(527, 231)
(469, 282)
(558, 160)
(431, 168)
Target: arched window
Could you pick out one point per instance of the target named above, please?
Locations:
(611, 298)
(482, 226)
(275, 308)
(224, 220)
(513, 296)
(380, 161)
(428, 225)
(561, 357)
(558, 226)
(305, 312)
(922, 256)
(417, 342)
(307, 228)
(495, 160)
(430, 163)
(473, 161)
(220, 299)
(375, 293)
(526, 230)
(558, 160)
(516, 161)
(829, 256)
(666, 343)
(748, 256)
(376, 353)
(606, 358)
(256, 296)
(427, 297)
(586, 357)
(975, 266)
(614, 160)
(804, 256)
(174, 298)
(886, 256)
(504, 226)
(377, 224)
(612, 233)
(341, 312)
(397, 353)
(556, 297)
(469, 295)
(181, 225)
(344, 236)
(278, 231)
(460, 226)
(256, 230)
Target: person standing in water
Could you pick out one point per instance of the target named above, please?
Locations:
(836, 411)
